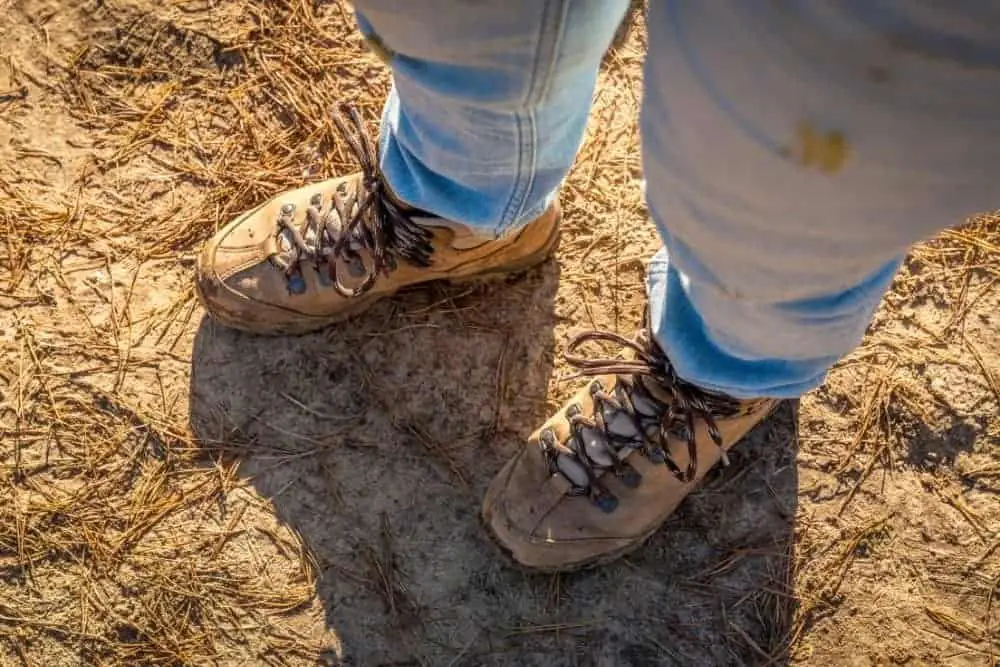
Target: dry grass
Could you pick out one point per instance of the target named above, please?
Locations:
(95, 484)
(125, 541)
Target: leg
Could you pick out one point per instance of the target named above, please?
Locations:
(793, 155)
(489, 100)
(487, 111)
(793, 152)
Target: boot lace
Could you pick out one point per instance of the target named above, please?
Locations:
(647, 404)
(357, 222)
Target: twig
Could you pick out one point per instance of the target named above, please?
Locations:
(14, 95)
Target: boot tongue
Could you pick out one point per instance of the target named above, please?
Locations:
(417, 215)
(720, 405)
(656, 390)
(652, 387)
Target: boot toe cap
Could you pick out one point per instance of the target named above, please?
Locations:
(525, 509)
(239, 286)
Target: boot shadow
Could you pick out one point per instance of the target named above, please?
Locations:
(375, 440)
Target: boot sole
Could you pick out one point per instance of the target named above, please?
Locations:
(363, 303)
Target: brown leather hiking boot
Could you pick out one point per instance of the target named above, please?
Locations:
(603, 473)
(325, 252)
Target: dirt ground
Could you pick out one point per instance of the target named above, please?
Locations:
(175, 493)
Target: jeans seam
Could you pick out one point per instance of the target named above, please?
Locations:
(540, 83)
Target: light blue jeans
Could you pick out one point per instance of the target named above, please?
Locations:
(793, 150)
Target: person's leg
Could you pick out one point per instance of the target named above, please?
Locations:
(488, 108)
(793, 152)
(489, 100)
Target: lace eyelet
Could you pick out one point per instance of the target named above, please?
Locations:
(660, 406)
(604, 499)
(629, 476)
(547, 438)
(656, 455)
(323, 276)
(296, 284)
(359, 209)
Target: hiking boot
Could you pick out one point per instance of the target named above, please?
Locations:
(603, 473)
(325, 252)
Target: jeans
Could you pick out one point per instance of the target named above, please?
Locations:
(793, 151)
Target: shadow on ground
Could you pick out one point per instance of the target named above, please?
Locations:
(374, 440)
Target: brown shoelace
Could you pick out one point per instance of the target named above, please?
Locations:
(359, 222)
(631, 417)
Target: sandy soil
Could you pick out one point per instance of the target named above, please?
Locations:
(176, 493)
